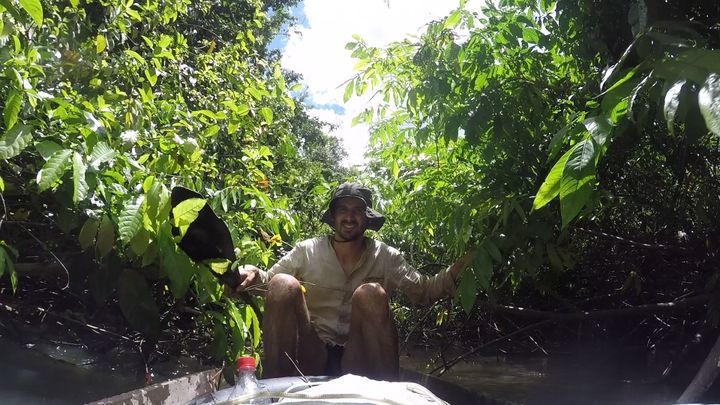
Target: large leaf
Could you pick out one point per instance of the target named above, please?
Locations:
(46, 148)
(131, 219)
(80, 187)
(137, 303)
(54, 169)
(599, 128)
(101, 153)
(671, 104)
(105, 236)
(483, 269)
(34, 8)
(175, 263)
(14, 141)
(12, 108)
(88, 232)
(467, 290)
(709, 102)
(186, 212)
(7, 265)
(551, 186)
(575, 186)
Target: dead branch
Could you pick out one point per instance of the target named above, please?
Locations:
(553, 317)
(606, 313)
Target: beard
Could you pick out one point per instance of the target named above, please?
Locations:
(349, 231)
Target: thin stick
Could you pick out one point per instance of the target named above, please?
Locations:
(57, 259)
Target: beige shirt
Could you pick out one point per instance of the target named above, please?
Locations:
(314, 263)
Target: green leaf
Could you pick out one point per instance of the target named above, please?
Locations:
(530, 35)
(131, 219)
(186, 212)
(14, 141)
(2, 185)
(80, 187)
(218, 266)
(482, 268)
(176, 264)
(137, 303)
(47, 148)
(101, 153)
(599, 128)
(13, 103)
(349, 89)
(575, 187)
(467, 290)
(218, 346)
(100, 43)
(34, 8)
(7, 265)
(105, 237)
(671, 104)
(267, 115)
(88, 232)
(140, 242)
(551, 186)
(493, 250)
(54, 169)
(135, 56)
(709, 102)
(453, 19)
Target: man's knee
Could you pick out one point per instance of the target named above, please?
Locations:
(370, 298)
(283, 287)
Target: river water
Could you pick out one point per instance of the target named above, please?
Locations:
(65, 374)
(588, 376)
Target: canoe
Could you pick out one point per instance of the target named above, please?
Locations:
(200, 386)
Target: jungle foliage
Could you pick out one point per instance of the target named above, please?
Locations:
(107, 105)
(573, 145)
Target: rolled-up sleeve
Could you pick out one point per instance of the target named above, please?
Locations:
(420, 288)
(290, 264)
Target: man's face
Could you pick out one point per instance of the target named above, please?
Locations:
(350, 219)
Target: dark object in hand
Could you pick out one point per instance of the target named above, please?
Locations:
(207, 237)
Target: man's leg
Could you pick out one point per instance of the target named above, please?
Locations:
(372, 347)
(287, 332)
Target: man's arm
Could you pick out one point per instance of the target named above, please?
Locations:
(421, 288)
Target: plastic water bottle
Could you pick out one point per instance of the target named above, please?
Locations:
(246, 382)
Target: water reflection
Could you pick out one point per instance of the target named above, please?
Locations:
(62, 376)
(585, 377)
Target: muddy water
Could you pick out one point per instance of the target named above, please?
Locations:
(57, 374)
(62, 374)
(584, 377)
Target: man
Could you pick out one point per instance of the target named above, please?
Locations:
(327, 306)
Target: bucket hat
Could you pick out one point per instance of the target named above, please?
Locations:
(354, 190)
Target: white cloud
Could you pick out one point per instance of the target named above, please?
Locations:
(317, 51)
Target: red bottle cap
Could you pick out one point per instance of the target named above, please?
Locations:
(246, 363)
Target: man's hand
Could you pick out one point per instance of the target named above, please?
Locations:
(461, 263)
(246, 276)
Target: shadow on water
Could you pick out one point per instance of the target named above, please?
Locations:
(587, 376)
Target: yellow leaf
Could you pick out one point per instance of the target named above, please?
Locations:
(100, 43)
